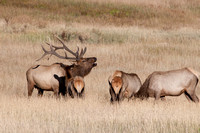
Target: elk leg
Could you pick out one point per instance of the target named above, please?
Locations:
(126, 94)
(70, 93)
(112, 94)
(40, 92)
(192, 96)
(82, 94)
(70, 89)
(163, 98)
(63, 93)
(157, 96)
(191, 92)
(187, 96)
(62, 88)
(111, 100)
(56, 91)
(56, 94)
(195, 98)
(30, 89)
(131, 97)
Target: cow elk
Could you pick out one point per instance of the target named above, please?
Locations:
(170, 83)
(76, 87)
(123, 85)
(55, 77)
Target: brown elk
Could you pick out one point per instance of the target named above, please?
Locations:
(123, 85)
(170, 83)
(76, 87)
(55, 77)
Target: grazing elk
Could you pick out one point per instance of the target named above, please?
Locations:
(170, 83)
(76, 87)
(55, 77)
(123, 85)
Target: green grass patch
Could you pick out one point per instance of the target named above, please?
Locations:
(110, 13)
(32, 37)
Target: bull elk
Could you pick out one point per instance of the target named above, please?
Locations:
(55, 77)
(123, 85)
(170, 83)
(76, 87)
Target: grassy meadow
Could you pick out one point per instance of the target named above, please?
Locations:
(137, 36)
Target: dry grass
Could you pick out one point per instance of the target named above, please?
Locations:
(133, 48)
(95, 113)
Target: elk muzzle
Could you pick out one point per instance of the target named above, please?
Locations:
(93, 59)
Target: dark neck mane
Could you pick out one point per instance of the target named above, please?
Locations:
(77, 70)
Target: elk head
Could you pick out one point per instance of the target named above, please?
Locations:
(81, 67)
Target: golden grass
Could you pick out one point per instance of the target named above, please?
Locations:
(173, 43)
(45, 114)
(160, 51)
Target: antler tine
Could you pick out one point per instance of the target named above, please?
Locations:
(65, 47)
(77, 53)
(45, 53)
(56, 47)
(83, 52)
(53, 52)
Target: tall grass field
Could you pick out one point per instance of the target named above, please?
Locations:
(136, 36)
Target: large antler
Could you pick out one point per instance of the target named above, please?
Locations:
(53, 49)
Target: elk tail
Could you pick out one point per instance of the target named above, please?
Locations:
(117, 73)
(196, 73)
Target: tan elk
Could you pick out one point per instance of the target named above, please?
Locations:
(170, 83)
(123, 85)
(76, 87)
(55, 77)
